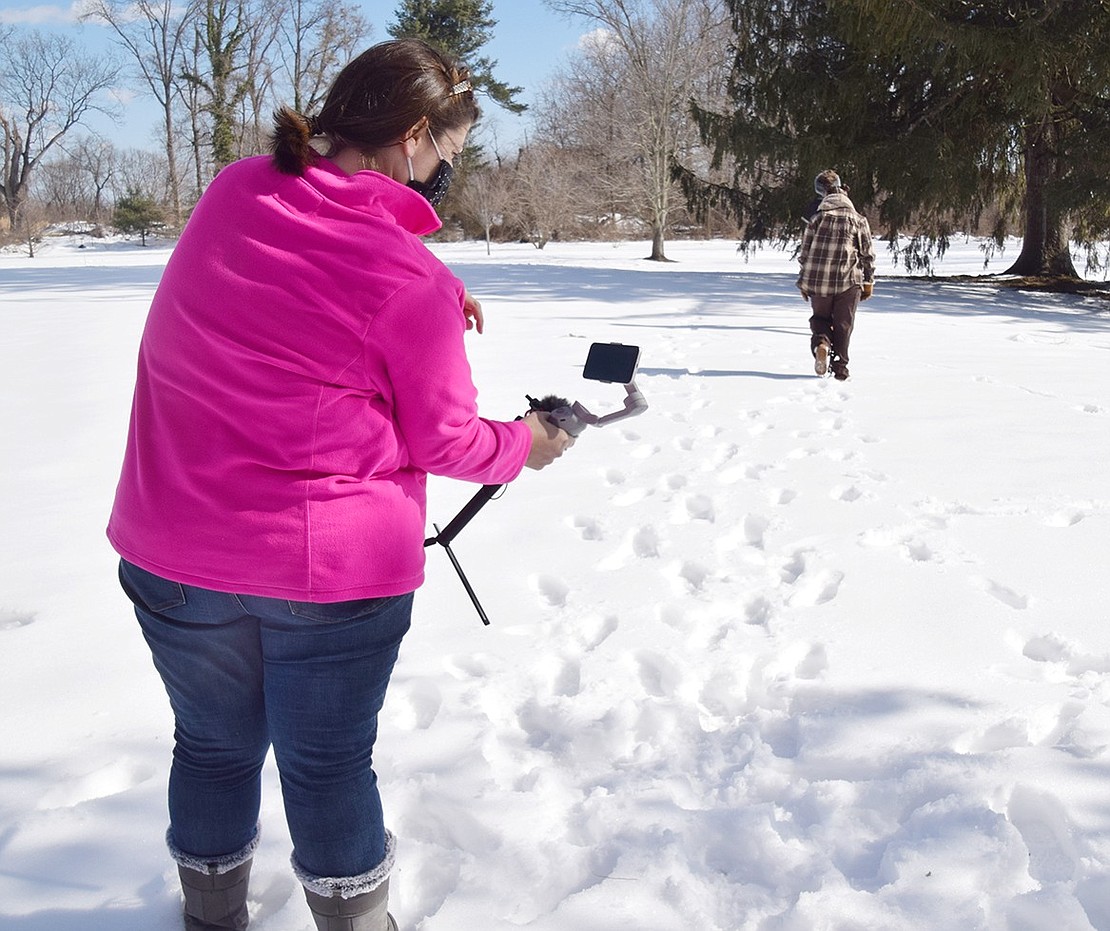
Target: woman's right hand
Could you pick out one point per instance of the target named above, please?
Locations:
(549, 442)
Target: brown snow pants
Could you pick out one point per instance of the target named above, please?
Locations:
(833, 320)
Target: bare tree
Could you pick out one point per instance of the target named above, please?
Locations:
(47, 87)
(259, 47)
(547, 197)
(316, 39)
(195, 126)
(664, 47)
(140, 171)
(36, 218)
(74, 185)
(222, 32)
(155, 33)
(95, 158)
(585, 108)
(484, 197)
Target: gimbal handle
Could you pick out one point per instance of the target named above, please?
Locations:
(573, 418)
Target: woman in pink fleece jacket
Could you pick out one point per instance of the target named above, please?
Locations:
(301, 372)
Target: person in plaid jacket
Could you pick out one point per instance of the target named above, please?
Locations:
(837, 272)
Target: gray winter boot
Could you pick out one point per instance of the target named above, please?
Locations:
(215, 901)
(365, 912)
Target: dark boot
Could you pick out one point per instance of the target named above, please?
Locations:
(215, 901)
(365, 912)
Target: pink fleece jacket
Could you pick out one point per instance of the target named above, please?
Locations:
(301, 371)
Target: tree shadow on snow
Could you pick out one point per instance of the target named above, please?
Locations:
(731, 294)
(722, 373)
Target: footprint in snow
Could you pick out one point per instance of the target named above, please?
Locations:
(588, 528)
(10, 620)
(593, 632)
(1049, 648)
(758, 612)
(1043, 824)
(816, 589)
(700, 507)
(814, 663)
(414, 704)
(1006, 595)
(466, 666)
(1066, 518)
(274, 897)
(551, 590)
(568, 681)
(115, 778)
(721, 455)
(803, 452)
(672, 615)
(614, 477)
(1004, 735)
(694, 575)
(792, 569)
(645, 542)
(1052, 648)
(916, 550)
(658, 675)
(755, 527)
(675, 482)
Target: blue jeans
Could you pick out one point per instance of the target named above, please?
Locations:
(243, 672)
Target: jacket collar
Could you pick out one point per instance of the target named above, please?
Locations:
(374, 192)
(837, 201)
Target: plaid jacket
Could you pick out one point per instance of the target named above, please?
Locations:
(836, 249)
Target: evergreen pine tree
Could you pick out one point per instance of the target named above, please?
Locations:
(136, 213)
(460, 28)
(932, 110)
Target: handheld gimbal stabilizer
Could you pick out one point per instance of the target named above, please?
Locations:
(614, 363)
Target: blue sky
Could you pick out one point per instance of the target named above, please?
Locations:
(529, 43)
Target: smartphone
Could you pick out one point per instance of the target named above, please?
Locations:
(612, 362)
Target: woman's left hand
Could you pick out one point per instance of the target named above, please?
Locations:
(472, 310)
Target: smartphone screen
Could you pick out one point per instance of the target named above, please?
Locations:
(612, 362)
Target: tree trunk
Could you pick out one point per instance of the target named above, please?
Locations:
(657, 253)
(1045, 251)
(171, 161)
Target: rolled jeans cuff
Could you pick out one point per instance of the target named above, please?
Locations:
(217, 865)
(347, 887)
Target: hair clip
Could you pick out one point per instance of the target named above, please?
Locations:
(461, 88)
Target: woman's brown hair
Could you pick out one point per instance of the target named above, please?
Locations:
(375, 100)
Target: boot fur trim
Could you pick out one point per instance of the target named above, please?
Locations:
(348, 887)
(217, 865)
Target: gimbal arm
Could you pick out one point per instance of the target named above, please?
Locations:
(573, 418)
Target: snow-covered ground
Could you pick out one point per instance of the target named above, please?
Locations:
(782, 654)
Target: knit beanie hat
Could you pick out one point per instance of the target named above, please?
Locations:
(828, 182)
